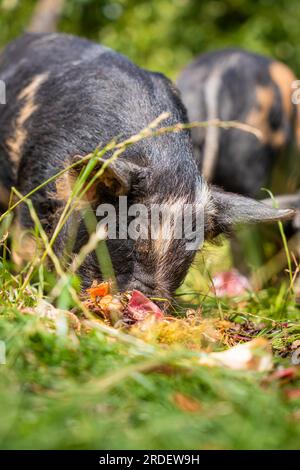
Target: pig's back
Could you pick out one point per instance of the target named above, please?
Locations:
(42, 52)
(26, 65)
(67, 95)
(238, 71)
(234, 84)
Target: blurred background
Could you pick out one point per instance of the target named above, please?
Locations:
(165, 35)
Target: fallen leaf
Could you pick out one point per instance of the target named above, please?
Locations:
(186, 403)
(284, 375)
(295, 344)
(296, 415)
(292, 394)
(255, 355)
(99, 290)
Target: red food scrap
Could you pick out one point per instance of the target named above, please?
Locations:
(139, 306)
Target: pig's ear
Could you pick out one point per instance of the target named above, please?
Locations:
(235, 209)
(118, 175)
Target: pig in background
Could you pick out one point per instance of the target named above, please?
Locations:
(233, 84)
(65, 96)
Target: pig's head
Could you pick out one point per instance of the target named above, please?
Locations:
(156, 262)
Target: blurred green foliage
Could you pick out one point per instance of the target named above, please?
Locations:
(165, 35)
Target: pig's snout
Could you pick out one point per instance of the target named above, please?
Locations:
(148, 287)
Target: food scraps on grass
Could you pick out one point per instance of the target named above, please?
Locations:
(127, 308)
(147, 321)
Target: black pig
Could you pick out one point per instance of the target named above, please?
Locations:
(65, 96)
(233, 84)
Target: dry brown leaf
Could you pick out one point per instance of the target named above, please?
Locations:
(295, 344)
(186, 403)
(292, 394)
(283, 375)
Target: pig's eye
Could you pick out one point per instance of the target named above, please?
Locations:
(143, 248)
(143, 251)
